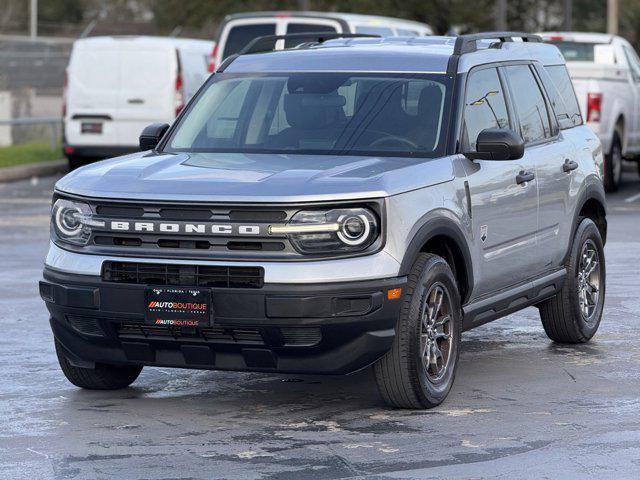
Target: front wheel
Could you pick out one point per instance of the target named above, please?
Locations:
(102, 377)
(574, 314)
(419, 370)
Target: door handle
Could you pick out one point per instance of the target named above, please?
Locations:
(135, 101)
(569, 165)
(524, 177)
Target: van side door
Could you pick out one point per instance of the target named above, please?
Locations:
(504, 205)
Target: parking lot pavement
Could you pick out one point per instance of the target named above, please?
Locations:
(521, 406)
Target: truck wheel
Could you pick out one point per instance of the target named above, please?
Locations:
(75, 162)
(574, 314)
(419, 369)
(613, 165)
(102, 377)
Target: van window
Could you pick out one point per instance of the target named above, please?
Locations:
(529, 103)
(485, 106)
(305, 28)
(558, 85)
(369, 30)
(239, 36)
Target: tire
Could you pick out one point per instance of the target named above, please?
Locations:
(563, 318)
(403, 378)
(102, 377)
(613, 165)
(75, 162)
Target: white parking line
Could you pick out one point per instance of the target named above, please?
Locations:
(633, 198)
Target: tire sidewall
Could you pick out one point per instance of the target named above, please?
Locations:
(612, 183)
(436, 270)
(587, 230)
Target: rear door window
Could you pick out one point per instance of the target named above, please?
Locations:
(305, 28)
(485, 106)
(240, 35)
(558, 85)
(529, 104)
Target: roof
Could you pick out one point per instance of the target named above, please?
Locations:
(143, 40)
(391, 54)
(347, 17)
(582, 37)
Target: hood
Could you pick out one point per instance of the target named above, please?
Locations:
(234, 177)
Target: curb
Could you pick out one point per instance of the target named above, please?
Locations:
(41, 169)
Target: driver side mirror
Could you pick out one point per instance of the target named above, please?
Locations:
(497, 144)
(151, 135)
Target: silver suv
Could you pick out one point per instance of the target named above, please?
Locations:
(345, 203)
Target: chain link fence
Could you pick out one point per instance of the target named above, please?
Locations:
(31, 89)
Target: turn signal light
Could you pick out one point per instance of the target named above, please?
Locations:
(394, 293)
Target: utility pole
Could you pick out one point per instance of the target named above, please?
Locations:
(501, 15)
(568, 15)
(33, 19)
(612, 17)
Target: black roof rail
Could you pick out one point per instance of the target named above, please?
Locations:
(468, 43)
(315, 37)
(311, 37)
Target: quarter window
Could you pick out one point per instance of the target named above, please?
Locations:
(485, 106)
(529, 104)
(558, 85)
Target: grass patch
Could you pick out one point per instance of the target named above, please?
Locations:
(28, 153)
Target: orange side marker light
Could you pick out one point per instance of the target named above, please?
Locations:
(394, 293)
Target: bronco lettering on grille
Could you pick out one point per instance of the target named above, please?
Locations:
(183, 228)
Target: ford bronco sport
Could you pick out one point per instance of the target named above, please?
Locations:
(345, 203)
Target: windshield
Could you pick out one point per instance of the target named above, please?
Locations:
(317, 113)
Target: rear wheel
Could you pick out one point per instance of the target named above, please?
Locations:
(573, 315)
(419, 370)
(102, 377)
(613, 165)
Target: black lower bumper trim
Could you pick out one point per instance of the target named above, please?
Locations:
(328, 328)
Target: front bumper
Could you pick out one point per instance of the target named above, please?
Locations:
(332, 328)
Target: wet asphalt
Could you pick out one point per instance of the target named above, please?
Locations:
(521, 407)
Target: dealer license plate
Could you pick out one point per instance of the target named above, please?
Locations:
(180, 307)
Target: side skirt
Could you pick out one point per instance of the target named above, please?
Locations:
(511, 300)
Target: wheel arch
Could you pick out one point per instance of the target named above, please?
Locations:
(592, 205)
(443, 237)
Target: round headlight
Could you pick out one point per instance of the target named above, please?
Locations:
(354, 230)
(68, 221)
(72, 221)
(331, 231)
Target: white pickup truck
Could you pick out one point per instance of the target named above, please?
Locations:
(605, 71)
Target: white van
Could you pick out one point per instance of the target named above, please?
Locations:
(116, 86)
(238, 30)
